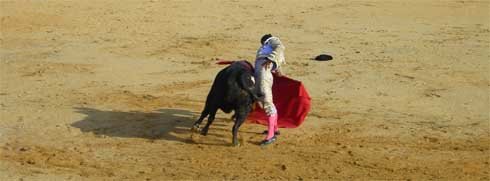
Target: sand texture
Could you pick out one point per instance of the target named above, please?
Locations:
(108, 90)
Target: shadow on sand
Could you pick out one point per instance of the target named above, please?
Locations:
(161, 124)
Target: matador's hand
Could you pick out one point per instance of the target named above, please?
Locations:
(267, 64)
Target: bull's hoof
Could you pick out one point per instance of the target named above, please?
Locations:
(236, 144)
(204, 132)
(195, 128)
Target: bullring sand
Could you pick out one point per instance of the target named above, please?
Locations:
(108, 90)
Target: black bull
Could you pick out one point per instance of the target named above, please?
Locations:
(233, 89)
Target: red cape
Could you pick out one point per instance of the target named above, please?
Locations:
(291, 100)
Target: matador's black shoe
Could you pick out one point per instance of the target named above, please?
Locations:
(268, 142)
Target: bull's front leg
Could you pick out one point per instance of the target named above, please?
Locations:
(241, 115)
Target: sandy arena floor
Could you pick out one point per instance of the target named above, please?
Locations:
(108, 90)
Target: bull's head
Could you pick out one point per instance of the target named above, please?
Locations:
(248, 83)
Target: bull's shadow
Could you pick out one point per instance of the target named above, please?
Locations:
(161, 124)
